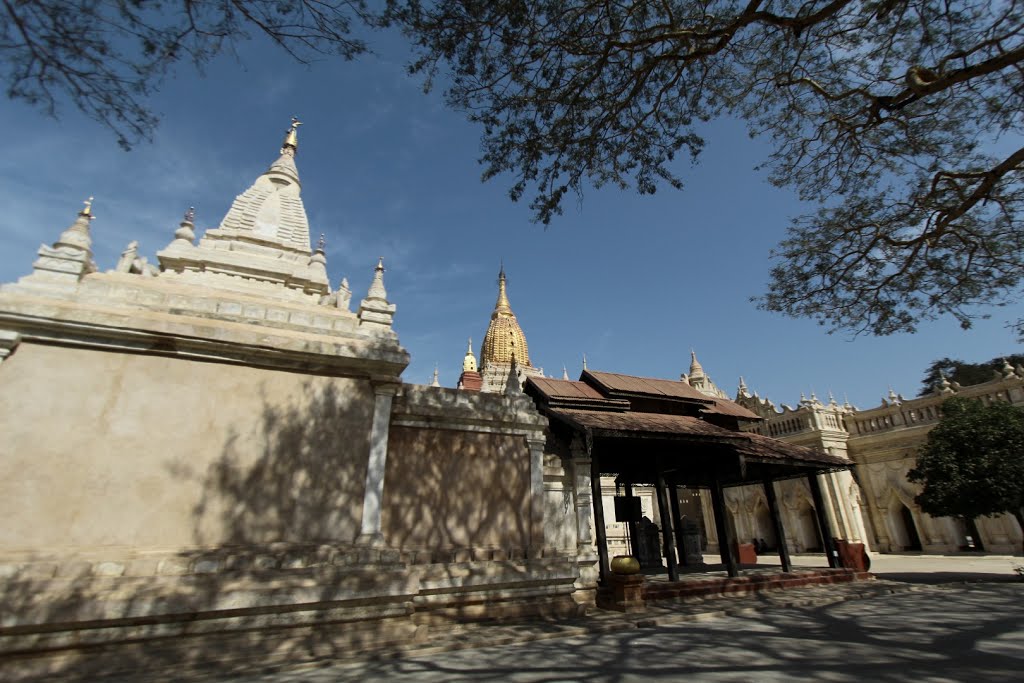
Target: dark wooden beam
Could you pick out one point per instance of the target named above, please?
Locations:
(724, 541)
(634, 538)
(600, 533)
(823, 525)
(673, 495)
(666, 528)
(780, 532)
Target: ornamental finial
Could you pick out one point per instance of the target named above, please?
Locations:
(291, 138)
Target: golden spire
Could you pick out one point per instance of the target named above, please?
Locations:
(87, 210)
(291, 138)
(504, 339)
(502, 307)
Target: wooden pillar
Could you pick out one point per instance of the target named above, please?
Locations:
(780, 532)
(600, 532)
(823, 525)
(666, 528)
(673, 494)
(634, 539)
(725, 541)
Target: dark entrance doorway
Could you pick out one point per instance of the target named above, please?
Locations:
(913, 539)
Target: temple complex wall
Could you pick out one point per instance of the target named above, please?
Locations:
(115, 450)
(875, 502)
(450, 489)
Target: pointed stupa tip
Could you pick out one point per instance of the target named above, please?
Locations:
(291, 137)
(743, 386)
(565, 373)
(77, 234)
(502, 306)
(377, 290)
(469, 360)
(185, 229)
(584, 361)
(512, 385)
(695, 367)
(435, 382)
(318, 257)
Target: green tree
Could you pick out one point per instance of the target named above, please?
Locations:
(972, 464)
(107, 56)
(965, 374)
(901, 118)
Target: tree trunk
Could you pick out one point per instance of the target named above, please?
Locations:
(1019, 514)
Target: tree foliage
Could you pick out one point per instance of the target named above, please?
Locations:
(108, 56)
(972, 464)
(901, 118)
(966, 374)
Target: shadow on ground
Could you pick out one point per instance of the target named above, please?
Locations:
(973, 632)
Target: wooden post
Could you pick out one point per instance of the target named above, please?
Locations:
(724, 541)
(780, 533)
(666, 528)
(673, 495)
(600, 532)
(823, 525)
(634, 539)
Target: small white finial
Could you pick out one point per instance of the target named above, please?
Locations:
(584, 361)
(565, 373)
(435, 382)
(185, 232)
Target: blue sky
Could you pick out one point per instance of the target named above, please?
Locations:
(633, 282)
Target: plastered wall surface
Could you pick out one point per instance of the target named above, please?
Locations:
(102, 449)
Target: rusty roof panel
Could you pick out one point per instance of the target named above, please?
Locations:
(670, 389)
(723, 407)
(662, 388)
(753, 445)
(560, 388)
(655, 423)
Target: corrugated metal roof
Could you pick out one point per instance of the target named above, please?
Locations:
(670, 389)
(753, 445)
(653, 423)
(560, 392)
(662, 388)
(560, 388)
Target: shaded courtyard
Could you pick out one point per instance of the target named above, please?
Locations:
(954, 632)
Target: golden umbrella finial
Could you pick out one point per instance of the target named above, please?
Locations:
(291, 138)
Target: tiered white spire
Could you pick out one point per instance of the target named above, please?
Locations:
(374, 311)
(469, 361)
(77, 236)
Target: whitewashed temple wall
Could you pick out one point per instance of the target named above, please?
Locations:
(875, 502)
(114, 450)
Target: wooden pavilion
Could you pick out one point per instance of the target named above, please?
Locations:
(667, 434)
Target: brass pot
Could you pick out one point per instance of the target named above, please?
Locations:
(625, 564)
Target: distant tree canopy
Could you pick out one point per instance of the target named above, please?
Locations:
(108, 56)
(958, 371)
(973, 462)
(900, 119)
